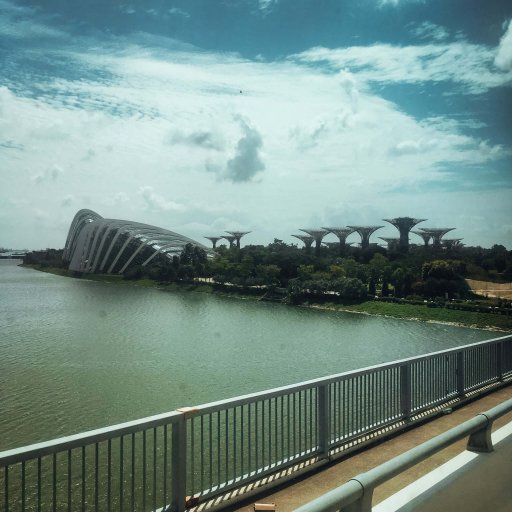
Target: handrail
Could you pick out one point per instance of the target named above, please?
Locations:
(270, 393)
(160, 419)
(204, 451)
(36, 450)
(357, 493)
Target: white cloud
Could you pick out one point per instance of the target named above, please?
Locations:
(246, 162)
(128, 10)
(396, 3)
(18, 22)
(137, 146)
(68, 200)
(116, 199)
(267, 5)
(48, 175)
(158, 203)
(411, 147)
(460, 62)
(206, 138)
(503, 59)
(428, 30)
(176, 11)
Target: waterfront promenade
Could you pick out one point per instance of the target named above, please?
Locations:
(303, 490)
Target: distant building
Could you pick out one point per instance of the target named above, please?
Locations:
(13, 255)
(95, 244)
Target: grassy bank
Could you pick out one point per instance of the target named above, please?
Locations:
(426, 314)
(373, 307)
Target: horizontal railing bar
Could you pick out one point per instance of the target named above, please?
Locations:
(77, 440)
(85, 438)
(404, 461)
(358, 378)
(209, 407)
(348, 493)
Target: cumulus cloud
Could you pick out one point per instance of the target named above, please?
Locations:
(157, 202)
(67, 200)
(308, 136)
(349, 85)
(202, 138)
(116, 199)
(412, 147)
(182, 104)
(48, 175)
(247, 160)
(503, 59)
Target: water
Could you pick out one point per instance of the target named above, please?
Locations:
(78, 354)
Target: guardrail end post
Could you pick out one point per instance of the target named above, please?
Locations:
(364, 503)
(481, 441)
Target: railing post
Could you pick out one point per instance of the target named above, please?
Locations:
(481, 440)
(179, 464)
(500, 352)
(405, 391)
(324, 431)
(460, 375)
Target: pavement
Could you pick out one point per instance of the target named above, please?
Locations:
(297, 492)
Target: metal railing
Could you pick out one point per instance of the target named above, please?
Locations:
(356, 495)
(175, 460)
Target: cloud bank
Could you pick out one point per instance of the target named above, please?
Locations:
(158, 132)
(503, 58)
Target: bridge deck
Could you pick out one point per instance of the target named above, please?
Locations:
(306, 489)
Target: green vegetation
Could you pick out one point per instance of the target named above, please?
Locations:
(438, 314)
(425, 284)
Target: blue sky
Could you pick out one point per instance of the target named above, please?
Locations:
(201, 116)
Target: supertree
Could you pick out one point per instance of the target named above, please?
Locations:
(237, 235)
(404, 226)
(342, 234)
(365, 232)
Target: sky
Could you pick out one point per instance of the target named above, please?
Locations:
(201, 116)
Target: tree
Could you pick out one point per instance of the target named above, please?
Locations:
(268, 274)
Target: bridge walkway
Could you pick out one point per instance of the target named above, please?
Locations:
(304, 489)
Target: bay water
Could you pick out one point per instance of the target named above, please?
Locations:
(77, 354)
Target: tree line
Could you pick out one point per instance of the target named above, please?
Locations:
(422, 273)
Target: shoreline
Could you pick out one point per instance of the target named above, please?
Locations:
(411, 319)
(471, 320)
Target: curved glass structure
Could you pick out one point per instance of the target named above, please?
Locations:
(95, 244)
